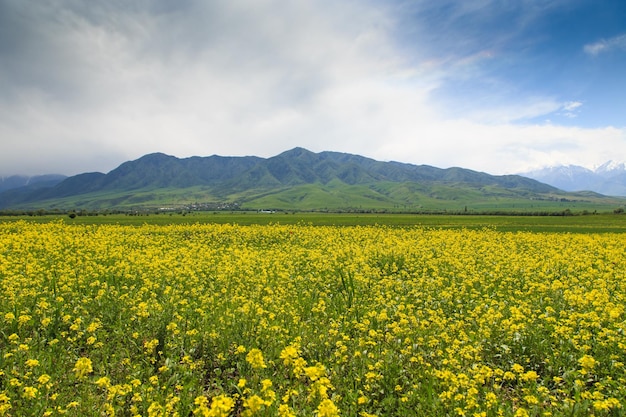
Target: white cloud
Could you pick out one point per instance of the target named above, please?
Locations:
(570, 109)
(572, 105)
(504, 148)
(90, 87)
(219, 78)
(605, 45)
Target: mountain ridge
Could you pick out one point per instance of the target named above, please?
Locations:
(296, 178)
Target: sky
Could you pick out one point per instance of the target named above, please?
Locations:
(496, 86)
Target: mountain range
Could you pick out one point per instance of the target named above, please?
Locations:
(608, 179)
(17, 181)
(295, 179)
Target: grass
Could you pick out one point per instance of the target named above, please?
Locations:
(598, 223)
(406, 197)
(337, 196)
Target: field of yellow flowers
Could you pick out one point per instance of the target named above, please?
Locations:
(300, 320)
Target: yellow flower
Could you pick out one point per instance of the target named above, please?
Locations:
(31, 363)
(491, 399)
(30, 392)
(531, 399)
(327, 409)
(290, 353)
(155, 410)
(150, 345)
(285, 411)
(253, 404)
(298, 366)
(255, 359)
(517, 368)
(508, 376)
(315, 372)
(109, 410)
(587, 362)
(607, 404)
(93, 326)
(201, 409)
(103, 382)
(521, 412)
(83, 367)
(266, 384)
(44, 379)
(221, 406)
(529, 376)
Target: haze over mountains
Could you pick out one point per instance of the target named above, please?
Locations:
(297, 178)
(17, 181)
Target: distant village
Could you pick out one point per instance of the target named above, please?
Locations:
(203, 207)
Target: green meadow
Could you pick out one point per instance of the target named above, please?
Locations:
(591, 223)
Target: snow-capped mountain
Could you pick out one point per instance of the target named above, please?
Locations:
(611, 169)
(608, 178)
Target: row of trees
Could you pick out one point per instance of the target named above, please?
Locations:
(84, 212)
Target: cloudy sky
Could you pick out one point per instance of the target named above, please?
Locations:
(493, 85)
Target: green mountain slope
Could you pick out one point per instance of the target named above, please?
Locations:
(295, 179)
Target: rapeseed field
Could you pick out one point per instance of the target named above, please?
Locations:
(297, 320)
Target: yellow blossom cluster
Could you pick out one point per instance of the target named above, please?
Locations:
(226, 320)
